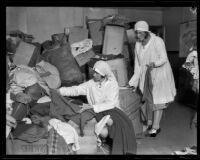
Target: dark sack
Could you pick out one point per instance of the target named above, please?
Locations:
(20, 110)
(70, 73)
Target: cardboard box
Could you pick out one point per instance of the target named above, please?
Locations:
(95, 32)
(113, 40)
(23, 53)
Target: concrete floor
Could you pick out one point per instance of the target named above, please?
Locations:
(175, 134)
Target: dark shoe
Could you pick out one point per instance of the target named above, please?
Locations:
(153, 132)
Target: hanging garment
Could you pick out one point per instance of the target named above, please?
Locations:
(147, 97)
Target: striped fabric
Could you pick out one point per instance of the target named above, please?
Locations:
(57, 145)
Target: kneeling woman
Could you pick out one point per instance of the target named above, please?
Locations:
(102, 94)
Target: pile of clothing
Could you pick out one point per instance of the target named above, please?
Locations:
(32, 97)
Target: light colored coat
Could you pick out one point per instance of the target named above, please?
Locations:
(164, 89)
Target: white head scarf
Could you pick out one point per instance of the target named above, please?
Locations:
(104, 69)
(141, 26)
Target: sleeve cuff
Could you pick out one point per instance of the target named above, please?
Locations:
(95, 109)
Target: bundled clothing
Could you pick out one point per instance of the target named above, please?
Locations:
(62, 108)
(163, 90)
(23, 76)
(53, 78)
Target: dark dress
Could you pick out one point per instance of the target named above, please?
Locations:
(121, 132)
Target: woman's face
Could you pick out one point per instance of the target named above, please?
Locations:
(140, 35)
(96, 76)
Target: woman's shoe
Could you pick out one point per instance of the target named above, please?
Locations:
(153, 132)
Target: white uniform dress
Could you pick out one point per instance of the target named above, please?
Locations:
(102, 96)
(164, 89)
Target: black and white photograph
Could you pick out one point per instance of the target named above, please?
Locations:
(93, 80)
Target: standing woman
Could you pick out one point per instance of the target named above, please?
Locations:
(150, 52)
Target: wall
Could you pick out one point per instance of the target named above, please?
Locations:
(42, 22)
(16, 18)
(153, 17)
(172, 17)
(171, 20)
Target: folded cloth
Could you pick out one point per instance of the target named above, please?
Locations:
(57, 145)
(81, 47)
(66, 131)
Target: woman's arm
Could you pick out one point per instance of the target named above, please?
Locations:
(74, 90)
